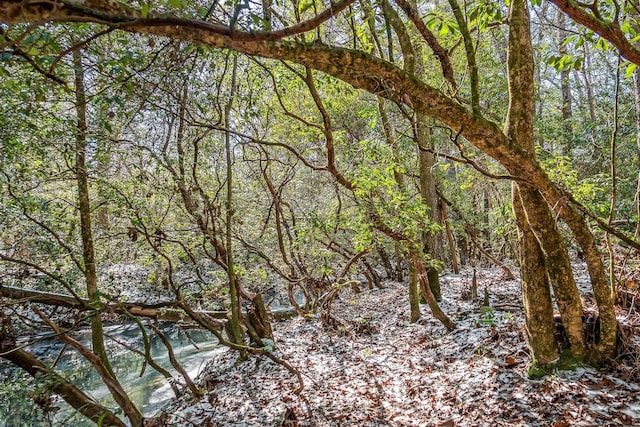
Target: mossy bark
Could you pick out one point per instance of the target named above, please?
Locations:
(414, 293)
(536, 292)
(432, 241)
(536, 212)
(532, 212)
(558, 266)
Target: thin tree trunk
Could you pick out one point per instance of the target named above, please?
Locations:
(450, 238)
(88, 250)
(423, 278)
(432, 242)
(234, 294)
(413, 63)
(386, 263)
(636, 90)
(565, 87)
(614, 187)
(414, 293)
(587, 82)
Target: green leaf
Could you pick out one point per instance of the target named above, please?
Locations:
(304, 5)
(144, 11)
(630, 69)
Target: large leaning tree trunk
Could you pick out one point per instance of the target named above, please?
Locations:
(534, 216)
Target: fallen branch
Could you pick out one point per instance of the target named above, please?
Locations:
(168, 310)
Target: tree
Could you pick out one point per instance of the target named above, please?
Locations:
(536, 196)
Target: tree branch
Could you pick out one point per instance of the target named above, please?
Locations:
(610, 31)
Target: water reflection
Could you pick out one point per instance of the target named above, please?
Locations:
(150, 391)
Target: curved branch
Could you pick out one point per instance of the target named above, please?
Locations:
(471, 55)
(602, 224)
(432, 41)
(327, 130)
(467, 161)
(81, 45)
(610, 31)
(122, 16)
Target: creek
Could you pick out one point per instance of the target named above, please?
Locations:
(149, 389)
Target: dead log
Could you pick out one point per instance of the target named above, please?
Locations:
(168, 310)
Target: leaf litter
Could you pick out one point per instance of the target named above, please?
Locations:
(377, 369)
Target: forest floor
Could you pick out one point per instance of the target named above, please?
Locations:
(377, 369)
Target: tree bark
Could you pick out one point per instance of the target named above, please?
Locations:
(414, 293)
(432, 241)
(636, 91)
(234, 294)
(558, 266)
(423, 278)
(539, 220)
(536, 292)
(450, 239)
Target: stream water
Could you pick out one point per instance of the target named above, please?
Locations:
(148, 389)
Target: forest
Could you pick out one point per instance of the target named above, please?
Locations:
(319, 213)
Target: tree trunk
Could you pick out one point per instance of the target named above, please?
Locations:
(536, 292)
(534, 217)
(234, 294)
(636, 90)
(423, 278)
(414, 293)
(88, 250)
(587, 83)
(386, 263)
(558, 265)
(258, 318)
(450, 239)
(432, 242)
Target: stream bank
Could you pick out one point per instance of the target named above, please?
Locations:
(148, 388)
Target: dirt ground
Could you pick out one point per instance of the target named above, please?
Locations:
(374, 368)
